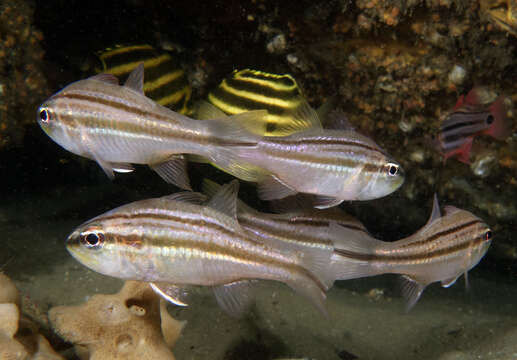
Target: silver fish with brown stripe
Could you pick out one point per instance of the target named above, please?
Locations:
(334, 165)
(118, 126)
(174, 241)
(444, 249)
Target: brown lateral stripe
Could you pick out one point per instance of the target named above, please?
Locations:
(322, 141)
(120, 106)
(425, 256)
(348, 162)
(442, 233)
(137, 111)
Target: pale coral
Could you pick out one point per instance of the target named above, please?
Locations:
(126, 325)
(8, 291)
(30, 346)
(9, 347)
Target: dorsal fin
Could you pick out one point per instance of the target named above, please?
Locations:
(105, 77)
(337, 120)
(449, 210)
(210, 188)
(225, 200)
(187, 196)
(435, 213)
(135, 80)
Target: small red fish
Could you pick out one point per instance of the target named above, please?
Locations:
(472, 116)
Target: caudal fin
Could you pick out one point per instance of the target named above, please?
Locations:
(233, 136)
(354, 251)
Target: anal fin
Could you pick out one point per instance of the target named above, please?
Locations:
(310, 290)
(411, 291)
(174, 171)
(271, 188)
(234, 298)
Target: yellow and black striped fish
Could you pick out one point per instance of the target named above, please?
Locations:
(165, 81)
(246, 90)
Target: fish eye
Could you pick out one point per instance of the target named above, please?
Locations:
(44, 115)
(488, 235)
(489, 119)
(392, 169)
(92, 239)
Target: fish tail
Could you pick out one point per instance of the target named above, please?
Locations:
(501, 128)
(235, 136)
(249, 126)
(353, 254)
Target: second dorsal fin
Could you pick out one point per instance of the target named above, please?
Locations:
(135, 80)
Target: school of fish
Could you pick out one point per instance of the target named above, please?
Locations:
(257, 127)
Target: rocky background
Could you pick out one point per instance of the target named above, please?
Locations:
(396, 67)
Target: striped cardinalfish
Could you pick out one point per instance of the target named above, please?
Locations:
(118, 126)
(333, 165)
(474, 114)
(173, 242)
(165, 80)
(446, 247)
(246, 90)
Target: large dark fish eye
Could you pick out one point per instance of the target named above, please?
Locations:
(392, 169)
(92, 239)
(44, 115)
(489, 119)
(488, 235)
